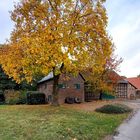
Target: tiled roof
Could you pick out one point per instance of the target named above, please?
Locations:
(135, 81)
(114, 76)
(46, 78)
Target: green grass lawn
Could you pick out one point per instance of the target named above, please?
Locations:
(54, 123)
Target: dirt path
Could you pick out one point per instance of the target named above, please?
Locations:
(91, 106)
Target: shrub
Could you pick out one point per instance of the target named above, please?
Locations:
(14, 97)
(11, 97)
(35, 97)
(2, 98)
(114, 109)
(22, 97)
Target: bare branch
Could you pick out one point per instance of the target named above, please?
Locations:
(51, 4)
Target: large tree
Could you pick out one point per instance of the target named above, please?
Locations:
(62, 36)
(105, 80)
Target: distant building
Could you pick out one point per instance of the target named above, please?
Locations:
(135, 81)
(77, 87)
(128, 88)
(125, 89)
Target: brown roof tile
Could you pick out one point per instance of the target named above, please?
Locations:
(134, 81)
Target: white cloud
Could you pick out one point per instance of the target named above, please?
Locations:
(6, 24)
(124, 26)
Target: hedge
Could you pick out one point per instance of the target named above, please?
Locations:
(35, 97)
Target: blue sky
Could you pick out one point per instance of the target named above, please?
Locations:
(123, 26)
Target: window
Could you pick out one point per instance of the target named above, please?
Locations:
(49, 98)
(62, 86)
(77, 86)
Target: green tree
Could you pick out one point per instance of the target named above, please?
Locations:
(6, 82)
(9, 83)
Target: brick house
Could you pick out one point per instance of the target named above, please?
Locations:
(128, 88)
(69, 86)
(125, 89)
(136, 82)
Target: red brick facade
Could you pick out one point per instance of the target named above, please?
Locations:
(69, 88)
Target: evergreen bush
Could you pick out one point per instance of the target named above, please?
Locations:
(114, 109)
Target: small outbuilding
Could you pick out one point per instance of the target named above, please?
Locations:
(135, 81)
(69, 86)
(125, 89)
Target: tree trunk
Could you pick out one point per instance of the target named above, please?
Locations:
(55, 86)
(101, 94)
(55, 91)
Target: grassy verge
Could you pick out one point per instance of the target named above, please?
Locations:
(59, 123)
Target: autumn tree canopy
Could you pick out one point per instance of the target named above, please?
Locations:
(56, 35)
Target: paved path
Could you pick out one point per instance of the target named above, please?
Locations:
(130, 130)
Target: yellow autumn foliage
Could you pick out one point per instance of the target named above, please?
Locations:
(49, 33)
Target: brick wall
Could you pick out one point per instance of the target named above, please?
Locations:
(70, 89)
(131, 92)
